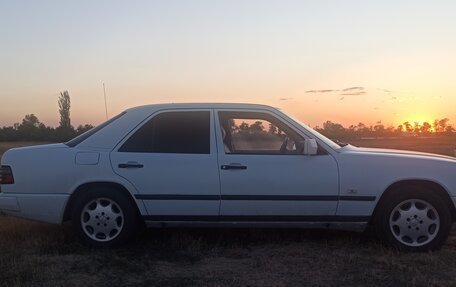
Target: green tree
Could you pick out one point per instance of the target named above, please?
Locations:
(408, 127)
(65, 131)
(83, 128)
(450, 129)
(30, 121)
(333, 128)
(29, 128)
(441, 125)
(244, 127)
(426, 128)
(416, 127)
(257, 127)
(64, 110)
(379, 128)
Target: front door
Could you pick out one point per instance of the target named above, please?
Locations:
(264, 174)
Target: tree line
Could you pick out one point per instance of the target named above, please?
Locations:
(336, 130)
(31, 129)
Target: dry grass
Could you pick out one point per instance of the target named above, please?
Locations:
(35, 254)
(44, 255)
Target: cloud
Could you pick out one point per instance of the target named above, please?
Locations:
(320, 91)
(341, 99)
(285, 99)
(353, 89)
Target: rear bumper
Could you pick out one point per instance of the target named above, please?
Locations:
(40, 207)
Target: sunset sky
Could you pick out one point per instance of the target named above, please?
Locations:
(344, 61)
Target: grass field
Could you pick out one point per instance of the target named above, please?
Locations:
(36, 254)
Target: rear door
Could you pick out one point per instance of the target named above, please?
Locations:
(171, 160)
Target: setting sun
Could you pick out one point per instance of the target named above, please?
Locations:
(420, 117)
(418, 120)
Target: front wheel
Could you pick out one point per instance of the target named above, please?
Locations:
(413, 220)
(104, 218)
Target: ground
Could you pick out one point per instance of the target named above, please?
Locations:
(36, 254)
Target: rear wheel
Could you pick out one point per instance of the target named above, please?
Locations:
(413, 219)
(104, 218)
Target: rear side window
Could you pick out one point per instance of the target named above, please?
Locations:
(79, 139)
(172, 132)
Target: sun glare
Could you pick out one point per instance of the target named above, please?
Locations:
(419, 120)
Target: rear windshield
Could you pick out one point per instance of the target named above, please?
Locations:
(79, 139)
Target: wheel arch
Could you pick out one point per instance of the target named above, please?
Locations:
(425, 183)
(86, 187)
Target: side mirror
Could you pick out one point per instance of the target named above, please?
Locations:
(310, 147)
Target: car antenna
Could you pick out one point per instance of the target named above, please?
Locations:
(106, 105)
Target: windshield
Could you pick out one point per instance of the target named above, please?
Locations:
(318, 135)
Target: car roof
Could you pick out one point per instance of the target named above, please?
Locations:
(202, 106)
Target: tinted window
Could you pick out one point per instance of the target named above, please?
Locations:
(172, 132)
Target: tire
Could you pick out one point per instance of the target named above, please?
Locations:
(413, 219)
(104, 217)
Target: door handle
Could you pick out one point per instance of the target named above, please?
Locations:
(233, 166)
(131, 165)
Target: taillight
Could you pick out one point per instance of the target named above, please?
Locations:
(6, 175)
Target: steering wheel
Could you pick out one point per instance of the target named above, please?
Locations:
(283, 147)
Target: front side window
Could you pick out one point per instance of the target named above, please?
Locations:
(172, 132)
(257, 133)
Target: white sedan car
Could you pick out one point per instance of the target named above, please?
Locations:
(236, 165)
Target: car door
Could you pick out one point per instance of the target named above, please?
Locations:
(264, 174)
(171, 160)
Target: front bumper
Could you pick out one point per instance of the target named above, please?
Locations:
(40, 207)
